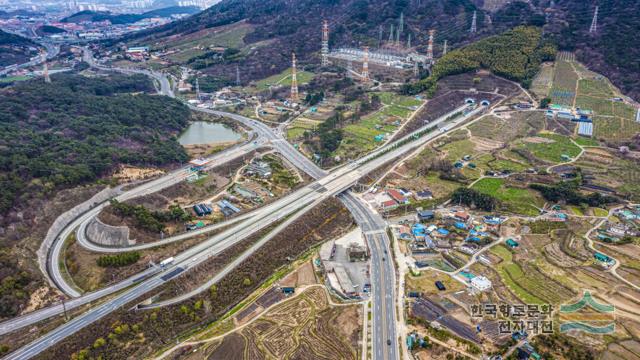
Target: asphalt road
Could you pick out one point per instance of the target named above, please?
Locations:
(338, 181)
(341, 179)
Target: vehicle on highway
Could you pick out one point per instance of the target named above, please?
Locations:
(167, 261)
(388, 341)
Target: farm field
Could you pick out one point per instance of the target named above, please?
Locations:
(576, 86)
(306, 326)
(527, 282)
(517, 200)
(195, 44)
(614, 128)
(550, 147)
(299, 126)
(565, 80)
(360, 137)
(541, 84)
(509, 128)
(612, 171)
(425, 282)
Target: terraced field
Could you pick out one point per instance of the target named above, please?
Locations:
(360, 137)
(304, 327)
(574, 85)
(565, 80)
(300, 125)
(528, 283)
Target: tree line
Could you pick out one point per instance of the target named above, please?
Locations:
(471, 197)
(153, 221)
(78, 129)
(118, 260)
(515, 54)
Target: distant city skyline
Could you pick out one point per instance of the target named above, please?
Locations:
(116, 6)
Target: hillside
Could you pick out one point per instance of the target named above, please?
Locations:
(15, 49)
(77, 129)
(280, 27)
(96, 16)
(57, 141)
(612, 50)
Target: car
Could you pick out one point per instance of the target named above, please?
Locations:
(383, 259)
(388, 341)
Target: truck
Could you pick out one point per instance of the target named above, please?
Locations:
(167, 261)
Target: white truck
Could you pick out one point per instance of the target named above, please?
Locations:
(166, 262)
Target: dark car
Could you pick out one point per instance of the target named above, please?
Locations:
(440, 285)
(388, 341)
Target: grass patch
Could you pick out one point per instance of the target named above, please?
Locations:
(516, 200)
(583, 141)
(553, 151)
(284, 79)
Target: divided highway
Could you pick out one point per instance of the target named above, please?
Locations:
(383, 276)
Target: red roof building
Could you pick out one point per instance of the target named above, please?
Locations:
(462, 215)
(389, 204)
(395, 195)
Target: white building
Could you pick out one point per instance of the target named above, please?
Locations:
(481, 283)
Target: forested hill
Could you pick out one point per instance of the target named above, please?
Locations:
(295, 26)
(77, 129)
(614, 49)
(12, 39)
(15, 49)
(288, 26)
(515, 54)
(88, 15)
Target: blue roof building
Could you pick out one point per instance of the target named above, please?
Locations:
(460, 225)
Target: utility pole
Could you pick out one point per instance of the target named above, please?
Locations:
(594, 22)
(409, 41)
(45, 67)
(444, 48)
(197, 89)
(64, 308)
(365, 65)
(237, 75)
(379, 36)
(325, 43)
(45, 72)
(391, 34)
(474, 27)
(400, 29)
(294, 79)
(430, 46)
(416, 69)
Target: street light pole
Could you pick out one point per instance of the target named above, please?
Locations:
(64, 309)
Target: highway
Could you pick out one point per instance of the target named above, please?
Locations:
(382, 273)
(335, 183)
(51, 52)
(52, 254)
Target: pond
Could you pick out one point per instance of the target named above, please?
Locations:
(203, 132)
